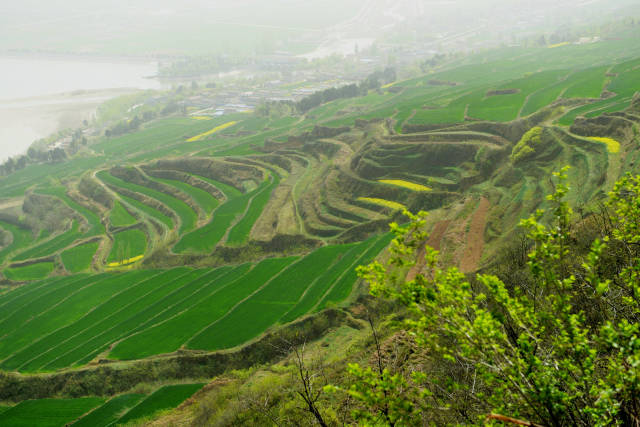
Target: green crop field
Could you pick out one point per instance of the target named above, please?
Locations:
(268, 304)
(208, 236)
(48, 412)
(119, 217)
(240, 232)
(205, 200)
(151, 212)
(20, 238)
(79, 258)
(231, 289)
(127, 244)
(188, 217)
(30, 272)
(109, 413)
(164, 398)
(52, 245)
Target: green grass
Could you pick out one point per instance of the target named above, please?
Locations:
(166, 397)
(119, 217)
(127, 244)
(109, 413)
(240, 232)
(30, 272)
(188, 217)
(205, 200)
(21, 239)
(48, 412)
(51, 246)
(254, 315)
(79, 258)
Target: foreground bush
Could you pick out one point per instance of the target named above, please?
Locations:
(564, 350)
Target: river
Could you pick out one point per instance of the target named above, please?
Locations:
(41, 95)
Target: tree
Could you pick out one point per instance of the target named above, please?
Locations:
(534, 354)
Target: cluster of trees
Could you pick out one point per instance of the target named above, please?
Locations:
(126, 126)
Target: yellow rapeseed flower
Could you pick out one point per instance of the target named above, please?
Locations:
(551, 46)
(382, 202)
(211, 132)
(125, 261)
(201, 117)
(613, 146)
(405, 184)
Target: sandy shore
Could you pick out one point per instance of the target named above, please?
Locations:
(23, 121)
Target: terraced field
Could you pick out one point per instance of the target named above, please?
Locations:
(210, 233)
(149, 312)
(48, 412)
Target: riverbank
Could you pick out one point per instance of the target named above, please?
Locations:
(23, 121)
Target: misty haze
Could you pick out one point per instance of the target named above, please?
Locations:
(319, 212)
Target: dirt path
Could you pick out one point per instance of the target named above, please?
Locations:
(475, 238)
(434, 241)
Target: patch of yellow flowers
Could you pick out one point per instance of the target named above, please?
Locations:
(125, 261)
(405, 184)
(211, 132)
(551, 46)
(613, 146)
(382, 202)
(201, 117)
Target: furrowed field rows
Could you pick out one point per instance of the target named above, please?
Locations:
(14, 316)
(343, 287)
(229, 191)
(205, 200)
(72, 320)
(109, 413)
(134, 284)
(96, 288)
(323, 283)
(208, 236)
(51, 246)
(48, 412)
(83, 347)
(240, 232)
(151, 212)
(188, 217)
(254, 315)
(172, 334)
(164, 398)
